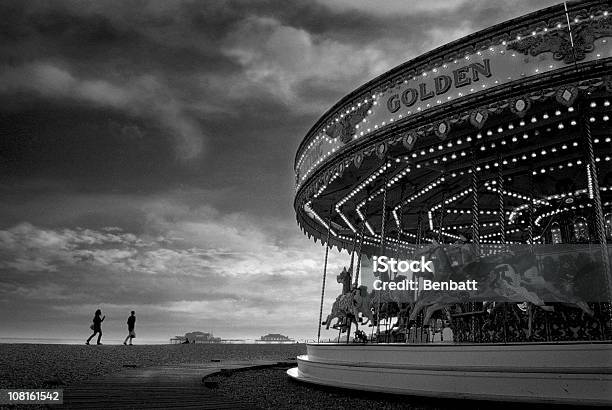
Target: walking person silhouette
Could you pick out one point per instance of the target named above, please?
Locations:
(97, 326)
(131, 322)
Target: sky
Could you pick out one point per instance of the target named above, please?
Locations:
(147, 147)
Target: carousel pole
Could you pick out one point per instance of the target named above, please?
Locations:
(361, 233)
(500, 197)
(475, 207)
(383, 219)
(441, 219)
(350, 322)
(397, 244)
(399, 224)
(348, 333)
(399, 233)
(419, 227)
(354, 248)
(530, 210)
(324, 278)
(475, 224)
(440, 241)
(382, 249)
(594, 194)
(419, 239)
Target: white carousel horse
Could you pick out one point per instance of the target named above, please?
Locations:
(382, 301)
(434, 301)
(528, 287)
(341, 304)
(505, 282)
(392, 296)
(345, 278)
(350, 303)
(535, 281)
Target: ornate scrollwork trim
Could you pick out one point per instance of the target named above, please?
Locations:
(559, 42)
(345, 127)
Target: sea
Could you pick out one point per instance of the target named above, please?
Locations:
(109, 341)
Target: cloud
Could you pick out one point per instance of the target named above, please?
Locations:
(440, 35)
(281, 58)
(35, 264)
(398, 7)
(193, 262)
(143, 96)
(27, 248)
(436, 10)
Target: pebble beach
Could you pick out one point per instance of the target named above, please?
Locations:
(47, 365)
(58, 366)
(271, 388)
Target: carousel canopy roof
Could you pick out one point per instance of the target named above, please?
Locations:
(504, 112)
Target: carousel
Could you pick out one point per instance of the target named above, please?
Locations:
(488, 158)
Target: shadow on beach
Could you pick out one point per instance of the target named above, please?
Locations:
(272, 388)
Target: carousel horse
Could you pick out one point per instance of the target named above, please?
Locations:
(362, 302)
(342, 304)
(558, 287)
(386, 295)
(388, 303)
(349, 306)
(436, 300)
(509, 277)
(505, 283)
(556, 295)
(528, 284)
(445, 267)
(350, 303)
(508, 283)
(345, 278)
(458, 262)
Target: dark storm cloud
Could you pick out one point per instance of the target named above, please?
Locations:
(186, 68)
(146, 149)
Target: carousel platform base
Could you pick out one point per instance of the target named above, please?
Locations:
(559, 373)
